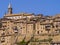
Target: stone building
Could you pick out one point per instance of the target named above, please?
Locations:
(45, 30)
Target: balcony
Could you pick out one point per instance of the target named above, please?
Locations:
(15, 29)
(47, 28)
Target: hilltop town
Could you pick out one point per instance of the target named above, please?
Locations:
(29, 29)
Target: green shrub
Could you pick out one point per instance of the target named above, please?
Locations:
(21, 43)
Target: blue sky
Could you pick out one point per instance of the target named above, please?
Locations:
(46, 7)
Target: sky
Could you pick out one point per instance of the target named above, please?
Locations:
(45, 7)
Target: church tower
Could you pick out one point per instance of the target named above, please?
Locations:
(9, 9)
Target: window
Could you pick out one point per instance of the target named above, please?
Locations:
(52, 26)
(41, 31)
(47, 27)
(3, 34)
(57, 31)
(2, 41)
(21, 28)
(56, 25)
(37, 32)
(15, 28)
(55, 43)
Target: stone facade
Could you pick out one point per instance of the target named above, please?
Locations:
(45, 30)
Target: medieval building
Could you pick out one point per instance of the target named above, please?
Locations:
(45, 30)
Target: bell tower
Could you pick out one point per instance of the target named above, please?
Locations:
(9, 9)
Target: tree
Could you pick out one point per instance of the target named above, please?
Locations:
(25, 43)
